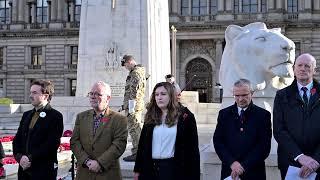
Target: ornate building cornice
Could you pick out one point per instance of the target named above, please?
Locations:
(39, 34)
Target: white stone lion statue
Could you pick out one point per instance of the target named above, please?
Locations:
(264, 56)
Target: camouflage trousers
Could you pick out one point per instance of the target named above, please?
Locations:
(134, 128)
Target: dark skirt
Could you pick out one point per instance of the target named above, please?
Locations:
(162, 169)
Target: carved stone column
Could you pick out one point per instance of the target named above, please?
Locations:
(27, 13)
(14, 13)
(218, 57)
(53, 8)
(228, 6)
(33, 12)
(61, 5)
(21, 5)
(221, 5)
(71, 10)
(178, 61)
(316, 5)
(307, 5)
(174, 5)
(280, 4)
(271, 4)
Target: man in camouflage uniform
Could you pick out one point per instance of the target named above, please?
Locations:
(133, 102)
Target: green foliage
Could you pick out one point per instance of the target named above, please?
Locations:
(6, 101)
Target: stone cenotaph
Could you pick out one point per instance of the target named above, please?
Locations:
(110, 29)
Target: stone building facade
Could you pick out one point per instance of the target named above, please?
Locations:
(39, 39)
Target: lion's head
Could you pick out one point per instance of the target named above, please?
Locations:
(264, 56)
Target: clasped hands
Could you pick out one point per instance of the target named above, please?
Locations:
(93, 165)
(25, 162)
(237, 170)
(309, 165)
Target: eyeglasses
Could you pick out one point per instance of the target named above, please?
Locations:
(95, 94)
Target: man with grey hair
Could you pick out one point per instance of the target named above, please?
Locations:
(242, 138)
(296, 122)
(99, 137)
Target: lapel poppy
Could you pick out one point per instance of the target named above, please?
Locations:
(104, 120)
(313, 91)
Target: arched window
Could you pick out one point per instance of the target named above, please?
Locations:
(199, 7)
(184, 7)
(4, 12)
(213, 6)
(42, 11)
(77, 11)
(292, 6)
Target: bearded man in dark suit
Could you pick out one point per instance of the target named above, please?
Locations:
(38, 137)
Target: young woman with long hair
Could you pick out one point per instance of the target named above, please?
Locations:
(168, 146)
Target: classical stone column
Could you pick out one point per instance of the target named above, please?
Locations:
(27, 13)
(271, 4)
(221, 5)
(14, 11)
(240, 6)
(316, 5)
(21, 5)
(178, 61)
(53, 8)
(173, 50)
(279, 4)
(228, 6)
(307, 5)
(72, 6)
(174, 5)
(34, 12)
(259, 6)
(190, 9)
(218, 57)
(61, 5)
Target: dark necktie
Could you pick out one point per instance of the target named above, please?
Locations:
(304, 96)
(242, 115)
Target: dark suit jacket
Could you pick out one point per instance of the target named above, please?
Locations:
(106, 146)
(43, 143)
(296, 127)
(249, 147)
(186, 155)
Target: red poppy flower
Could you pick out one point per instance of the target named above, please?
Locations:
(313, 91)
(67, 133)
(104, 120)
(185, 115)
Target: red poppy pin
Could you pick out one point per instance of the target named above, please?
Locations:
(185, 115)
(104, 120)
(313, 91)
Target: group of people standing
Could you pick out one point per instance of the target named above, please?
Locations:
(167, 145)
(242, 138)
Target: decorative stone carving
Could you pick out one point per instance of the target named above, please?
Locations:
(191, 47)
(264, 56)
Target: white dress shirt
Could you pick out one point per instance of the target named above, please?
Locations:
(163, 141)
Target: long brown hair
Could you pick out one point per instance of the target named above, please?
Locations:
(153, 115)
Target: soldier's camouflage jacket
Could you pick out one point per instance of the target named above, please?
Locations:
(135, 88)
